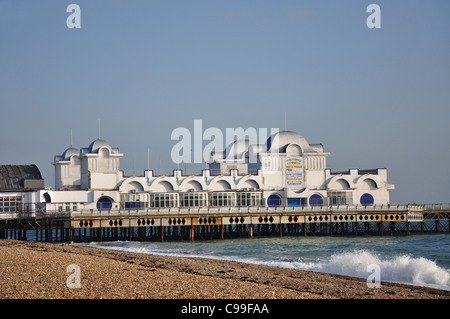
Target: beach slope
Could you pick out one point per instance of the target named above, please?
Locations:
(38, 270)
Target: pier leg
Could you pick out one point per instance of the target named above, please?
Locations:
(281, 230)
(221, 232)
(250, 231)
(191, 233)
(161, 233)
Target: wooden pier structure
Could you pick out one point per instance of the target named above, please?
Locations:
(223, 222)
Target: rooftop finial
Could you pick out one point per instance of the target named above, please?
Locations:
(98, 128)
(70, 137)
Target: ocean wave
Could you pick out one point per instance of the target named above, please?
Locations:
(401, 268)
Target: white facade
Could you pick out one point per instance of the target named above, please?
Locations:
(285, 171)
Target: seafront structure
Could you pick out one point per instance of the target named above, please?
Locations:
(288, 173)
(281, 182)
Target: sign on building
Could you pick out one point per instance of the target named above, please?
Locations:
(294, 171)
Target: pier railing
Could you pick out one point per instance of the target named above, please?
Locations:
(242, 210)
(186, 211)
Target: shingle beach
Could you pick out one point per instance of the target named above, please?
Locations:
(38, 270)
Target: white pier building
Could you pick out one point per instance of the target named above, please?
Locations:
(285, 171)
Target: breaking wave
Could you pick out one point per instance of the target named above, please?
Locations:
(406, 269)
(403, 269)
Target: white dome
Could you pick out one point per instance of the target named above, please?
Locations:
(97, 144)
(278, 142)
(68, 153)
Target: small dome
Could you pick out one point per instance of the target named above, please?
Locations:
(97, 144)
(68, 153)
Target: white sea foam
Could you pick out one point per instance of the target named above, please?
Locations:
(403, 268)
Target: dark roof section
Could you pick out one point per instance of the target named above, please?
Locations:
(13, 177)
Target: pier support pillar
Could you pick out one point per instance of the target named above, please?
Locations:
(161, 233)
(191, 233)
(221, 232)
(281, 230)
(250, 231)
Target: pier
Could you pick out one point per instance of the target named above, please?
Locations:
(161, 224)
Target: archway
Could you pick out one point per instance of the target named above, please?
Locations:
(274, 200)
(47, 198)
(366, 199)
(315, 200)
(104, 203)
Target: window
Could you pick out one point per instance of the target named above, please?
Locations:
(315, 200)
(274, 200)
(366, 199)
(193, 199)
(104, 203)
(222, 199)
(159, 200)
(10, 204)
(133, 201)
(296, 202)
(249, 198)
(340, 198)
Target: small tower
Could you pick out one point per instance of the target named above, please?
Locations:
(67, 170)
(100, 165)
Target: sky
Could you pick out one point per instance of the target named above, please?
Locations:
(374, 97)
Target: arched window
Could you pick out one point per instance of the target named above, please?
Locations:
(366, 199)
(315, 200)
(274, 200)
(104, 203)
(47, 198)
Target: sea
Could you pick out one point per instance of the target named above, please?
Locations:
(417, 259)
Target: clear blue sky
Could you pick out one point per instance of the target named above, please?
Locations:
(372, 97)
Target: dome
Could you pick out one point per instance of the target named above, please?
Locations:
(97, 144)
(68, 153)
(283, 139)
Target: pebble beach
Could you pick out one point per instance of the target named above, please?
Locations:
(39, 270)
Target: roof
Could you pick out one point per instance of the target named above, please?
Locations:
(278, 142)
(68, 153)
(97, 144)
(12, 177)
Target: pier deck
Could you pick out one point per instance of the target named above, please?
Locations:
(224, 222)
